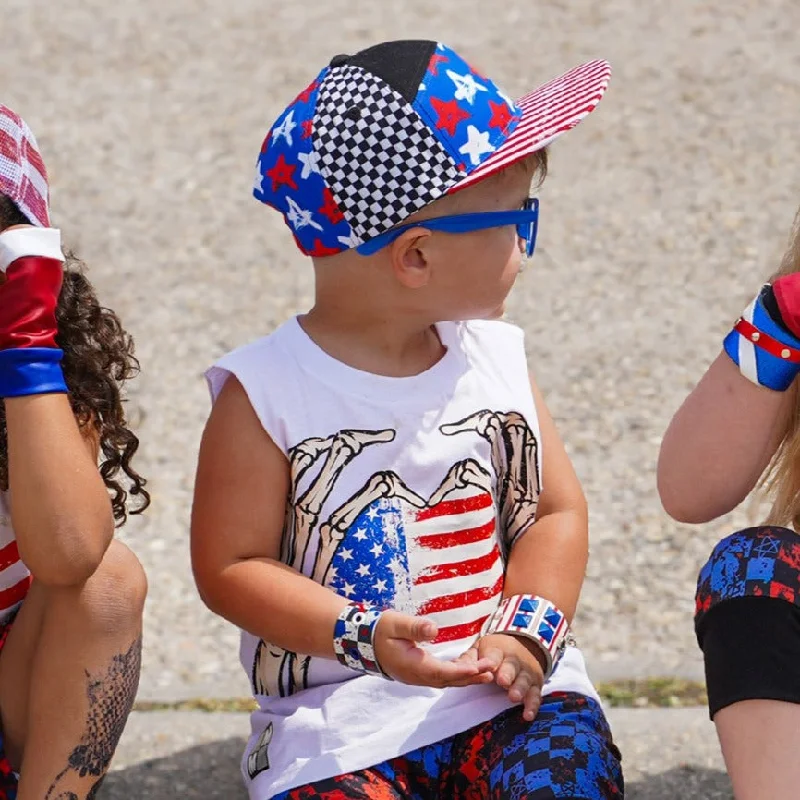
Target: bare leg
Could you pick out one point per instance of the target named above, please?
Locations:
(759, 744)
(68, 678)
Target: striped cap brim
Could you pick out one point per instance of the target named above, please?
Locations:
(547, 112)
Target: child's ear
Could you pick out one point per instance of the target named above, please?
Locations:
(410, 258)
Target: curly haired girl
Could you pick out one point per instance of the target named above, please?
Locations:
(71, 597)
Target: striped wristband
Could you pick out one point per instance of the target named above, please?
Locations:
(765, 353)
(536, 619)
(353, 637)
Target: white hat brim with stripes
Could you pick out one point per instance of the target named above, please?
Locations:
(547, 112)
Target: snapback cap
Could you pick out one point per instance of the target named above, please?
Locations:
(23, 177)
(381, 134)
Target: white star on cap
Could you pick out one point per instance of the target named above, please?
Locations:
(285, 128)
(349, 241)
(477, 144)
(310, 162)
(466, 86)
(299, 217)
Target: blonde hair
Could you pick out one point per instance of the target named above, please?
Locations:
(781, 480)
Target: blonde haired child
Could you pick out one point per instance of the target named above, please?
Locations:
(738, 427)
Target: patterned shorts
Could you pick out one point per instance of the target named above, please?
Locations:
(756, 562)
(566, 752)
(748, 617)
(8, 779)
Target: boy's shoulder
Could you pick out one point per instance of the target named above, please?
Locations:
(262, 357)
(488, 336)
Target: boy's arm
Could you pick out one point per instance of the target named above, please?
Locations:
(237, 524)
(719, 443)
(550, 558)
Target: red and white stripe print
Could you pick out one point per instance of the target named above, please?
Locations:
(455, 565)
(15, 578)
(23, 176)
(547, 112)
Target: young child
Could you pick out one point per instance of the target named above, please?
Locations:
(383, 504)
(739, 423)
(71, 598)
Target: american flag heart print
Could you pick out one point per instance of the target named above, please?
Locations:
(442, 562)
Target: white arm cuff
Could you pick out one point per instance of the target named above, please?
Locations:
(20, 242)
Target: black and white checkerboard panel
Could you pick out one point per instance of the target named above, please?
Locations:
(378, 158)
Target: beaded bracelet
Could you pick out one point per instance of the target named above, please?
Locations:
(353, 637)
(534, 618)
(764, 352)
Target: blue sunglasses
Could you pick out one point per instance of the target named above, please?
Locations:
(526, 220)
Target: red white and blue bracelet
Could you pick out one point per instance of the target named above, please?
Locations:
(765, 353)
(534, 618)
(353, 639)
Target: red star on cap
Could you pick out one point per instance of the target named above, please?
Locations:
(308, 128)
(501, 115)
(282, 173)
(330, 207)
(436, 59)
(450, 114)
(305, 95)
(320, 250)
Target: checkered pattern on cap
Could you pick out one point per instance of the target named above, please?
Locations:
(379, 159)
(23, 177)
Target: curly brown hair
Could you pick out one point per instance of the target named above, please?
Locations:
(98, 359)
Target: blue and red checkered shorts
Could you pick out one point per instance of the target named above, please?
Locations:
(566, 752)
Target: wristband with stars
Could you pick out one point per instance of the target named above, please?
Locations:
(533, 618)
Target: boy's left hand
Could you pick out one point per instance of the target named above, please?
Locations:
(518, 668)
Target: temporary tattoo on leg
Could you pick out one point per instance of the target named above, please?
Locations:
(110, 700)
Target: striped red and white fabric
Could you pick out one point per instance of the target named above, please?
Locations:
(547, 112)
(23, 176)
(442, 561)
(15, 578)
(455, 565)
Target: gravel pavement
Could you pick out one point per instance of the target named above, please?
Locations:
(662, 213)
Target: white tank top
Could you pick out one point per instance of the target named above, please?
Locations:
(15, 579)
(407, 493)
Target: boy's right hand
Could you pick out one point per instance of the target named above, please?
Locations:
(400, 656)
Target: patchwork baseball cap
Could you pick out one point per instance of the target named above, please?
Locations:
(23, 176)
(380, 134)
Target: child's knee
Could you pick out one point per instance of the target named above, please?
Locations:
(568, 753)
(755, 562)
(747, 603)
(582, 766)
